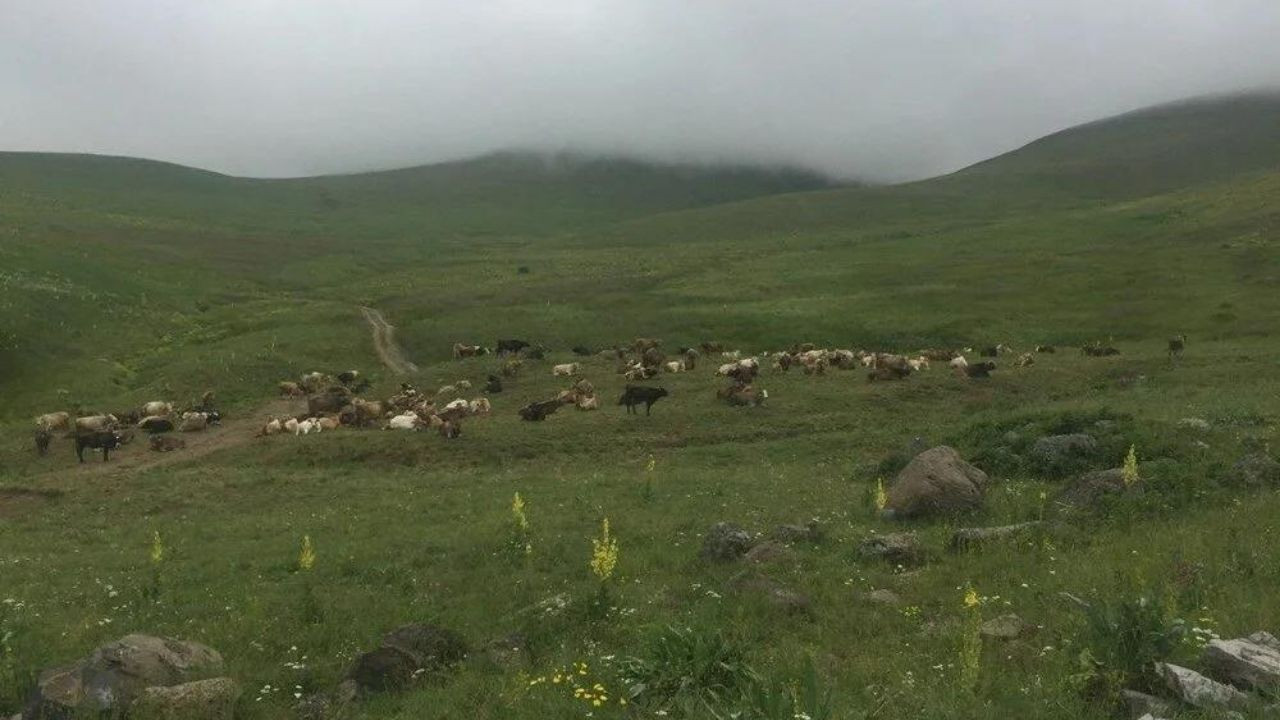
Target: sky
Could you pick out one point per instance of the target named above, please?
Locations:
(880, 90)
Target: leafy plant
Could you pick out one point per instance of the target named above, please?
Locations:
(803, 697)
(1126, 637)
(682, 666)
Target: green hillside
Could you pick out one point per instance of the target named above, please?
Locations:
(123, 281)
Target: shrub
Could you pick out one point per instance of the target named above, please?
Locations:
(788, 699)
(685, 668)
(1124, 638)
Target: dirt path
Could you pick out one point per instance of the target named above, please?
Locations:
(384, 342)
(138, 456)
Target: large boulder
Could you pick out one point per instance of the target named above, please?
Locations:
(213, 699)
(935, 481)
(116, 674)
(1199, 691)
(1060, 454)
(1243, 663)
(1255, 470)
(726, 542)
(1090, 488)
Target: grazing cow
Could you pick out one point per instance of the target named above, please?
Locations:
(407, 421)
(167, 443)
(156, 424)
(291, 425)
(104, 440)
(290, 389)
(96, 423)
(583, 351)
(54, 421)
(1046, 349)
(510, 347)
(42, 437)
(633, 395)
(564, 370)
(1176, 346)
(538, 411)
(979, 370)
(494, 385)
(466, 351)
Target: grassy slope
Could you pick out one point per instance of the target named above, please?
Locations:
(409, 527)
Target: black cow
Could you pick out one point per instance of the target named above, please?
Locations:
(494, 385)
(980, 370)
(634, 395)
(538, 411)
(510, 347)
(104, 440)
(43, 437)
(157, 424)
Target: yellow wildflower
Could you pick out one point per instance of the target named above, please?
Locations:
(1129, 473)
(306, 558)
(604, 557)
(157, 548)
(517, 513)
(881, 498)
(652, 464)
(971, 597)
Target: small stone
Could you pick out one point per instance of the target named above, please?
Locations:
(1195, 689)
(1142, 704)
(897, 548)
(1006, 627)
(725, 542)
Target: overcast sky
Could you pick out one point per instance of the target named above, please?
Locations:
(885, 89)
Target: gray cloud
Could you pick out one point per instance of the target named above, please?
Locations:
(886, 89)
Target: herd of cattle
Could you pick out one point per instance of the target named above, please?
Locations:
(334, 401)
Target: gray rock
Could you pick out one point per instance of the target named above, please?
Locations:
(114, 675)
(1144, 705)
(775, 594)
(935, 481)
(769, 552)
(1265, 639)
(965, 538)
(406, 653)
(898, 548)
(1255, 470)
(508, 651)
(1088, 489)
(725, 542)
(810, 532)
(882, 597)
(1006, 627)
(1058, 451)
(213, 699)
(328, 705)
(1199, 691)
(1243, 663)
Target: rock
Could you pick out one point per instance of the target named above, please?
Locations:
(406, 653)
(199, 700)
(1255, 470)
(1265, 639)
(810, 532)
(725, 542)
(1061, 452)
(328, 705)
(1006, 627)
(510, 650)
(1144, 705)
(971, 537)
(1088, 489)
(882, 597)
(1194, 424)
(1195, 689)
(1243, 663)
(775, 594)
(898, 548)
(769, 552)
(935, 481)
(114, 675)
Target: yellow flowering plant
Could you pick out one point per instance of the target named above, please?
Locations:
(971, 640)
(1129, 472)
(307, 556)
(604, 553)
(880, 499)
(518, 544)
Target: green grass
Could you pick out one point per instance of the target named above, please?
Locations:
(122, 281)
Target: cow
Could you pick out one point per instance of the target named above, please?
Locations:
(888, 372)
(195, 422)
(587, 402)
(633, 395)
(104, 440)
(289, 389)
(1099, 350)
(642, 345)
(272, 427)
(407, 421)
(743, 395)
(449, 429)
(1046, 349)
(54, 421)
(128, 417)
(494, 385)
(538, 411)
(332, 400)
(565, 370)
(479, 406)
(510, 347)
(167, 443)
(156, 424)
(979, 370)
(157, 407)
(42, 438)
(328, 422)
(368, 411)
(96, 423)
(461, 351)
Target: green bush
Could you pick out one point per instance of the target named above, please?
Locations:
(1124, 639)
(687, 669)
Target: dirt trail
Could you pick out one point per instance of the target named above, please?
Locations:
(138, 456)
(384, 342)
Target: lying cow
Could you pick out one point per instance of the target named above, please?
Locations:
(565, 370)
(167, 443)
(634, 395)
(104, 440)
(538, 411)
(461, 350)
